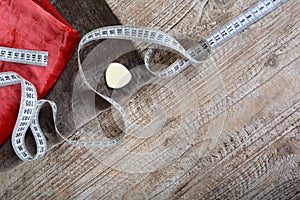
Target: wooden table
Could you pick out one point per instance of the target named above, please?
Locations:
(224, 129)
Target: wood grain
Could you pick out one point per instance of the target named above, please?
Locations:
(224, 129)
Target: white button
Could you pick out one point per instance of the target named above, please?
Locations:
(117, 75)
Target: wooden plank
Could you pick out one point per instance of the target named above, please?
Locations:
(251, 85)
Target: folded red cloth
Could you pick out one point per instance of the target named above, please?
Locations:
(34, 25)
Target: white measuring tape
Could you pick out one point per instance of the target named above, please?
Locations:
(30, 106)
(242, 21)
(23, 56)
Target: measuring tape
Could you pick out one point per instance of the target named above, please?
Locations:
(23, 56)
(30, 106)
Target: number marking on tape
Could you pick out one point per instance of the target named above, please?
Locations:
(23, 56)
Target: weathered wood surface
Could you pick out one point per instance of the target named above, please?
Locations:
(225, 129)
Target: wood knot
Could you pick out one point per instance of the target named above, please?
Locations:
(288, 146)
(272, 62)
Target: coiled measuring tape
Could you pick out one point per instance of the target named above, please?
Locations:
(30, 106)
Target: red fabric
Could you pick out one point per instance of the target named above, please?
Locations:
(36, 25)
